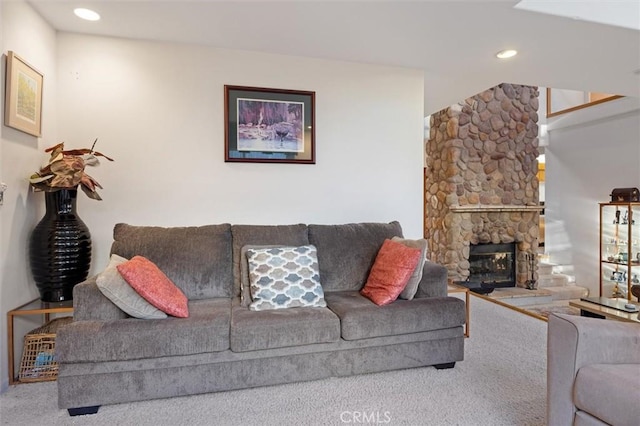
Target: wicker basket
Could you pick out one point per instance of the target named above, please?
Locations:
(39, 362)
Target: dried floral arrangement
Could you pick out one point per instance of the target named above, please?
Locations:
(65, 170)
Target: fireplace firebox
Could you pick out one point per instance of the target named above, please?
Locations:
(491, 266)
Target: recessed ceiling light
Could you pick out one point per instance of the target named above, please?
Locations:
(86, 14)
(504, 54)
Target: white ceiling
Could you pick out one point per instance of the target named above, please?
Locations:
(622, 13)
(454, 42)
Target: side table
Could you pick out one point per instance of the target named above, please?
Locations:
(452, 288)
(35, 307)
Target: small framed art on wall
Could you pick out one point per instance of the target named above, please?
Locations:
(23, 96)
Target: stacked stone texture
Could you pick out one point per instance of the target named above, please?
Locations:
(483, 152)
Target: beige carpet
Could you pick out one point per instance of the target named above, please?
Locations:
(502, 381)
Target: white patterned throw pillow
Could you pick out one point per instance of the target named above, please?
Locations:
(284, 277)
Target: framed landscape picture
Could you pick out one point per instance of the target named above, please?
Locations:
(269, 125)
(23, 96)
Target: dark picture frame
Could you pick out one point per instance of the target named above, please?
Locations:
(269, 125)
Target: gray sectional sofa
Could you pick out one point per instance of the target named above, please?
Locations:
(107, 357)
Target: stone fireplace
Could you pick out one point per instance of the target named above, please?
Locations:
(480, 179)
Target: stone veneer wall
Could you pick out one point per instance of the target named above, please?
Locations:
(481, 183)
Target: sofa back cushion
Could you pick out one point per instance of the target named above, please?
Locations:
(347, 252)
(263, 235)
(197, 259)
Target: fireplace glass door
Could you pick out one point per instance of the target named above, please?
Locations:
(493, 264)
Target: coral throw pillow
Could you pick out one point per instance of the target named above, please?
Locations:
(390, 273)
(154, 286)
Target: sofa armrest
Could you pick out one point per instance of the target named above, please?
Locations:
(433, 282)
(90, 304)
(573, 342)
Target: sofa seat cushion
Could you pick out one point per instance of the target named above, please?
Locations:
(206, 330)
(256, 330)
(609, 392)
(360, 318)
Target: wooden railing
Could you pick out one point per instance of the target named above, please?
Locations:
(589, 99)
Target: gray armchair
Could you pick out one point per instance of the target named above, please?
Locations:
(593, 372)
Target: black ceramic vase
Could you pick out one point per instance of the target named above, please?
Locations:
(60, 248)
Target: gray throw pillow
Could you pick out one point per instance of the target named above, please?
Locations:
(281, 235)
(245, 292)
(115, 288)
(412, 285)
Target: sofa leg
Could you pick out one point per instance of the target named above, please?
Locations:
(81, 411)
(445, 365)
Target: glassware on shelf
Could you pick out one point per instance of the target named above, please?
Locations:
(616, 292)
(619, 249)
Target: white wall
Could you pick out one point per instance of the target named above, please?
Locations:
(157, 109)
(25, 33)
(590, 152)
